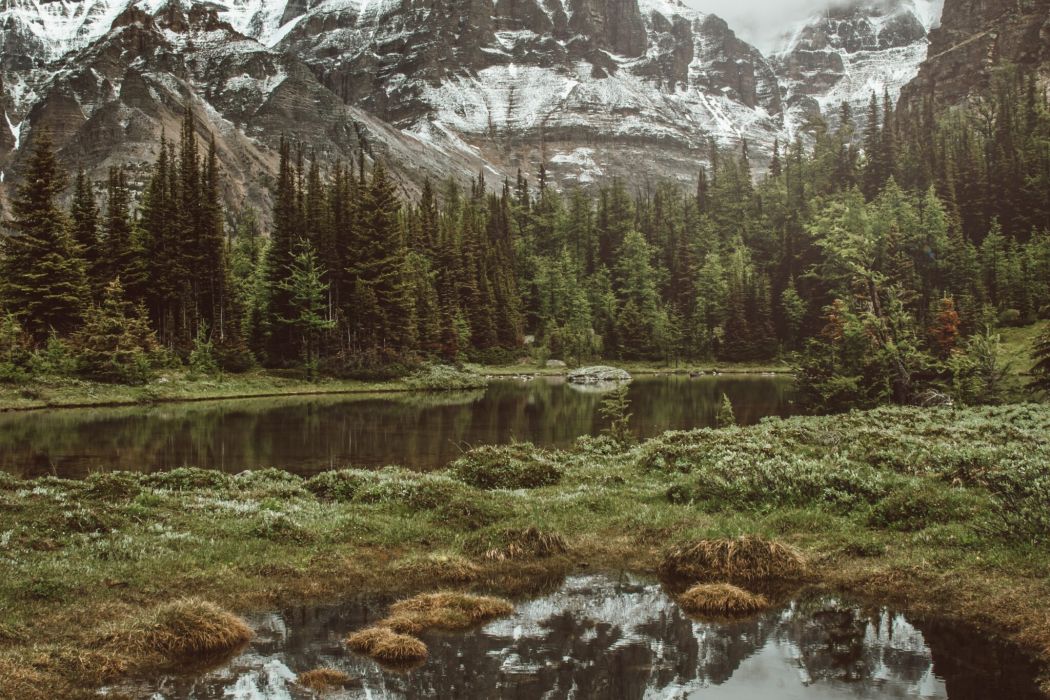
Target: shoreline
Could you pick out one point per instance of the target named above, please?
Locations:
(872, 517)
(75, 394)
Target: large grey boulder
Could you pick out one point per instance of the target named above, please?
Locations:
(598, 375)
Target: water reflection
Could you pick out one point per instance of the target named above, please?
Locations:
(310, 434)
(603, 637)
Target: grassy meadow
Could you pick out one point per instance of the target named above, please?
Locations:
(931, 510)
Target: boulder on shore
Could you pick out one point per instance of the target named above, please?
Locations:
(599, 374)
(556, 364)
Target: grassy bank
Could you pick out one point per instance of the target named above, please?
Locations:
(932, 510)
(64, 392)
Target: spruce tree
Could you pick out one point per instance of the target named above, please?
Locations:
(42, 278)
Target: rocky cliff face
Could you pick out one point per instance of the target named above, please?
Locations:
(851, 51)
(590, 88)
(974, 38)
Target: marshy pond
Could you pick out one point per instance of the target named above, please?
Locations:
(306, 435)
(622, 637)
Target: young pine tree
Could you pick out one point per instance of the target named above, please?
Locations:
(115, 344)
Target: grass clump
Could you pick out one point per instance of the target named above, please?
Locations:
(321, 679)
(530, 543)
(387, 646)
(747, 558)
(340, 486)
(184, 629)
(721, 600)
(519, 466)
(450, 610)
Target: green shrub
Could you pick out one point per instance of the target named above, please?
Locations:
(341, 485)
(445, 378)
(519, 466)
(411, 489)
(278, 527)
(274, 483)
(113, 485)
(917, 505)
(187, 479)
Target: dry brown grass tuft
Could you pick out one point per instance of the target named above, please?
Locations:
(324, 679)
(721, 599)
(184, 628)
(449, 569)
(403, 624)
(528, 543)
(747, 558)
(451, 610)
(385, 645)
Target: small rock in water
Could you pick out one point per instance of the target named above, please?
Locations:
(599, 374)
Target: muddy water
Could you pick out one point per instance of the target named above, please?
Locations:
(622, 637)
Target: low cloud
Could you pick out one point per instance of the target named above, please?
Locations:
(765, 23)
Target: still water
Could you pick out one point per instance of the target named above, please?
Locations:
(621, 637)
(310, 434)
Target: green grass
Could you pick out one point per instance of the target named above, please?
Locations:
(934, 510)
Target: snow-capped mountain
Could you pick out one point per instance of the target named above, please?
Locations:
(848, 52)
(589, 88)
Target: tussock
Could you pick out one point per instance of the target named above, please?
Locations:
(387, 646)
(324, 679)
(747, 558)
(184, 628)
(450, 610)
(722, 600)
(530, 543)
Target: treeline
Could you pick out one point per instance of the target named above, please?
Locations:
(876, 257)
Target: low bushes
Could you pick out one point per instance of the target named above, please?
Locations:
(519, 466)
(445, 378)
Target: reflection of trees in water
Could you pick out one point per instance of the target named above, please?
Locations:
(602, 638)
(309, 434)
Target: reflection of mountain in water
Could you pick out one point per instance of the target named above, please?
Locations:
(600, 637)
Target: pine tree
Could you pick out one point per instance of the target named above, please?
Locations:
(280, 344)
(775, 168)
(120, 255)
(42, 278)
(84, 217)
(725, 418)
(382, 312)
(308, 301)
